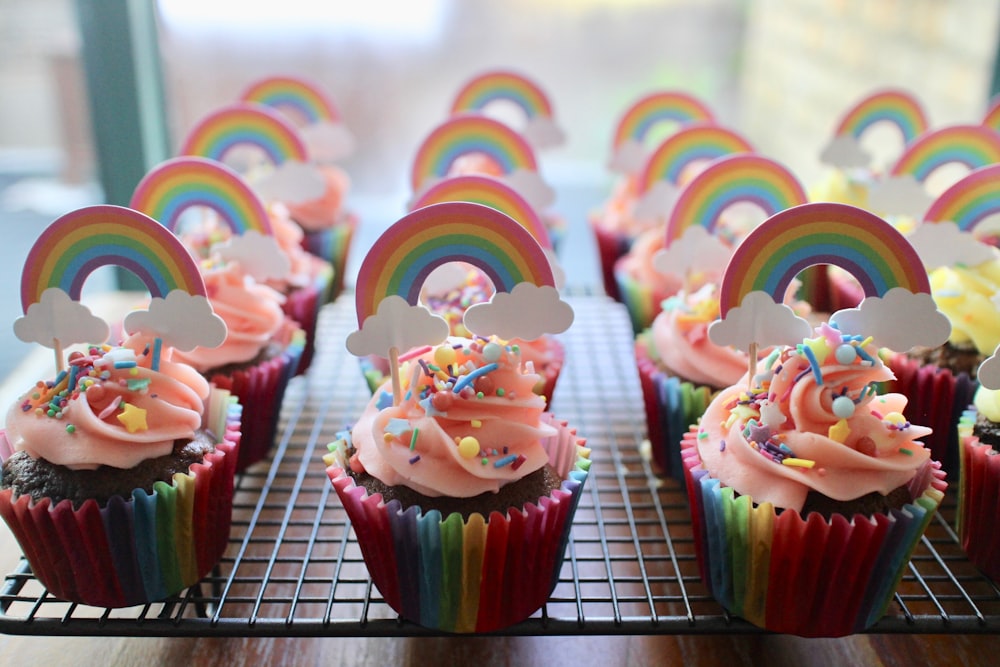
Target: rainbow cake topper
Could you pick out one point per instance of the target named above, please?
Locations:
(956, 213)
(627, 152)
(482, 91)
(897, 107)
(898, 311)
(248, 124)
(903, 191)
(525, 305)
(467, 135)
(178, 184)
(76, 244)
(323, 129)
(660, 178)
(729, 180)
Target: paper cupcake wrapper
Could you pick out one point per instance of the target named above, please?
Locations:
(643, 301)
(810, 577)
(132, 551)
(375, 370)
(260, 390)
(303, 306)
(476, 575)
(936, 398)
(611, 246)
(672, 406)
(333, 244)
(978, 520)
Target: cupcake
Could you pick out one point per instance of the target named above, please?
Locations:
(461, 495)
(123, 494)
(979, 482)
(809, 490)
(260, 355)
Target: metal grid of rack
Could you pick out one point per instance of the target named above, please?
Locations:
(293, 567)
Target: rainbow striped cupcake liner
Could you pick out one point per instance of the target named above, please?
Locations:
(936, 398)
(672, 406)
(260, 390)
(641, 300)
(474, 575)
(979, 500)
(333, 245)
(133, 550)
(811, 577)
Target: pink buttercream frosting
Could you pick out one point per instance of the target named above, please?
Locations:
(252, 313)
(113, 409)
(326, 210)
(443, 442)
(682, 346)
(792, 432)
(305, 266)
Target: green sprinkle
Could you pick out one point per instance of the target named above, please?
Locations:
(904, 450)
(702, 435)
(500, 391)
(70, 428)
(485, 461)
(413, 439)
(479, 394)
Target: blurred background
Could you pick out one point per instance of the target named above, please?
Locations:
(779, 71)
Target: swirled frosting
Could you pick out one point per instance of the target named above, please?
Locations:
(987, 402)
(682, 346)
(965, 295)
(468, 422)
(812, 421)
(251, 311)
(326, 210)
(110, 408)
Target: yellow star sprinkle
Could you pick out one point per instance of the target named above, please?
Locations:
(134, 418)
(839, 431)
(820, 348)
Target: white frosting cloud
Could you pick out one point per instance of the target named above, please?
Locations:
(57, 316)
(899, 195)
(543, 132)
(899, 320)
(696, 249)
(293, 182)
(259, 255)
(944, 244)
(845, 152)
(531, 186)
(184, 321)
(328, 141)
(628, 158)
(989, 372)
(528, 311)
(657, 202)
(396, 324)
(758, 319)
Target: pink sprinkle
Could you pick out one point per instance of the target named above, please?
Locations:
(415, 352)
(876, 414)
(108, 411)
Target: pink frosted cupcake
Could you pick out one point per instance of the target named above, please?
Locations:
(261, 353)
(122, 494)
(809, 491)
(461, 496)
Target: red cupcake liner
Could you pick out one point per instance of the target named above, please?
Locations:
(477, 575)
(133, 550)
(978, 520)
(303, 305)
(611, 246)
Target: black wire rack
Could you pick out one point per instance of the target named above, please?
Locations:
(293, 567)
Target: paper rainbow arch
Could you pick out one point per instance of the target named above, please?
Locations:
(658, 107)
(972, 145)
(992, 117)
(248, 124)
(970, 200)
(178, 184)
(687, 146)
(403, 257)
(898, 107)
(77, 243)
(300, 98)
(864, 245)
(469, 134)
(488, 192)
(481, 91)
(728, 180)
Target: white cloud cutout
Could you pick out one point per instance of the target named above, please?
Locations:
(291, 181)
(327, 141)
(56, 315)
(528, 311)
(531, 186)
(628, 158)
(182, 320)
(543, 132)
(845, 152)
(758, 319)
(899, 195)
(657, 202)
(696, 249)
(989, 371)
(944, 244)
(258, 255)
(899, 320)
(396, 324)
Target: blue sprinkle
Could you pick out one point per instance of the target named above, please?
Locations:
(817, 372)
(466, 380)
(124, 364)
(415, 459)
(384, 401)
(499, 463)
(722, 445)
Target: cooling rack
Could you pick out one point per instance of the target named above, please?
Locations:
(293, 567)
